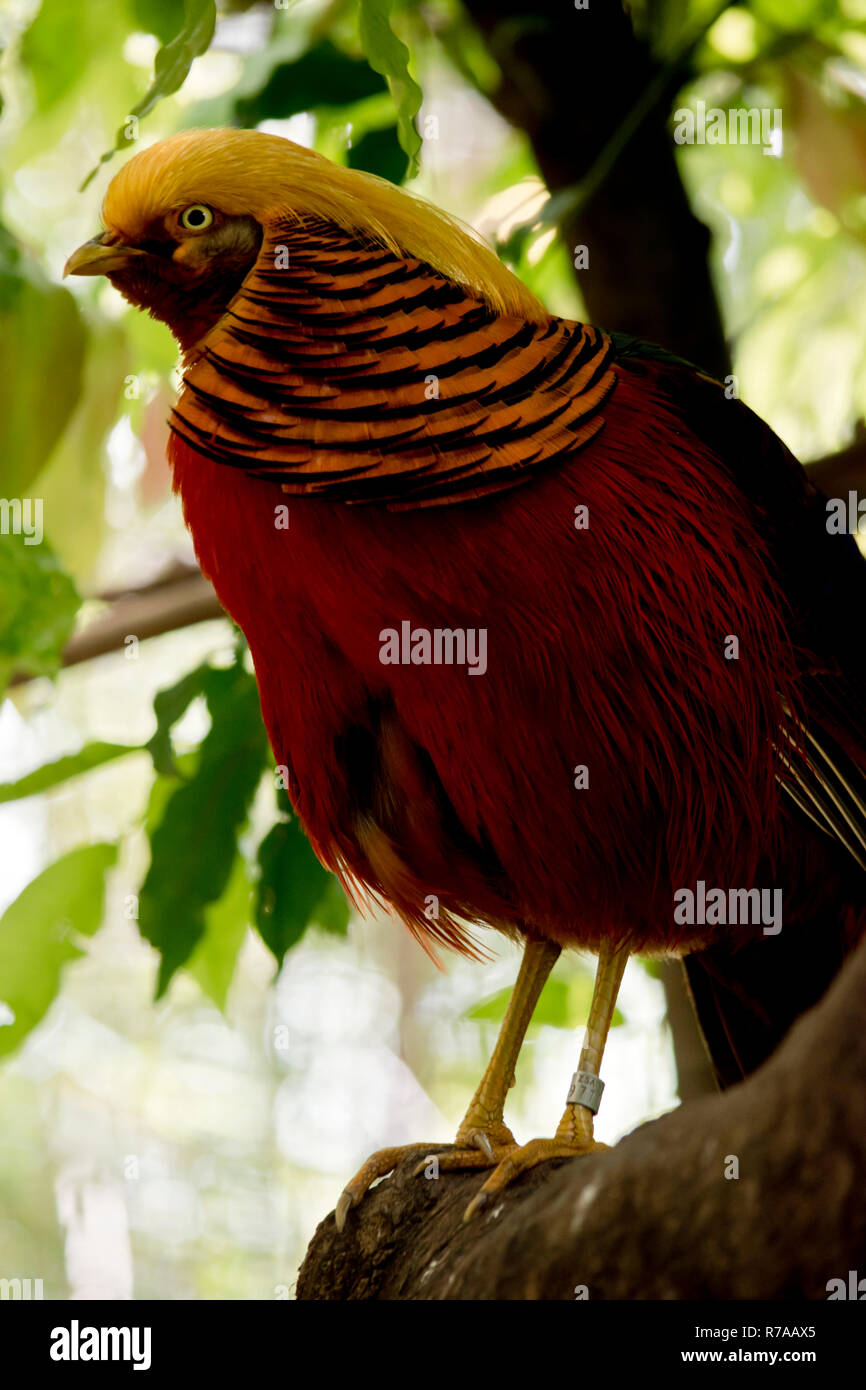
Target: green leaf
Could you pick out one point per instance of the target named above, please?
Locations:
(35, 934)
(174, 60)
(212, 962)
(324, 76)
(62, 769)
(332, 911)
(73, 482)
(803, 16)
(292, 885)
(164, 788)
(170, 67)
(55, 48)
(168, 706)
(42, 348)
(157, 17)
(379, 152)
(194, 844)
(38, 604)
(389, 56)
(562, 1004)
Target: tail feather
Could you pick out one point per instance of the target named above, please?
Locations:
(747, 997)
(830, 790)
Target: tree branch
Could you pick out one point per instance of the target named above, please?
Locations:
(837, 474)
(176, 600)
(656, 1216)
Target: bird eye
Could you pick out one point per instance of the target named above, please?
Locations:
(196, 218)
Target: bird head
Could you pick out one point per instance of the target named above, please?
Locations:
(185, 219)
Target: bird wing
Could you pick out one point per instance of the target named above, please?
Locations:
(820, 746)
(345, 371)
(746, 995)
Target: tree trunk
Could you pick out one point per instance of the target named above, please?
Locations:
(570, 79)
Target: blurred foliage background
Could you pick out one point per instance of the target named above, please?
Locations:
(197, 1041)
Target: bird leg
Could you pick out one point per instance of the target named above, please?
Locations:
(574, 1134)
(483, 1137)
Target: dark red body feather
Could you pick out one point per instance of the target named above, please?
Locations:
(606, 648)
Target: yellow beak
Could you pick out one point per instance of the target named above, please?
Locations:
(99, 256)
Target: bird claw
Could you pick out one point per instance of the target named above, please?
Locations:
(478, 1148)
(378, 1165)
(344, 1205)
(419, 1167)
(483, 1140)
(520, 1158)
(474, 1148)
(479, 1203)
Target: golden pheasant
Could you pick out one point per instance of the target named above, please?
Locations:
(553, 639)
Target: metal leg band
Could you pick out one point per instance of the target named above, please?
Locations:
(586, 1089)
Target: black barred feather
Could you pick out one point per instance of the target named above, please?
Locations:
(358, 376)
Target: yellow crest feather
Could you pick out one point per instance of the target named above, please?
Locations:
(250, 173)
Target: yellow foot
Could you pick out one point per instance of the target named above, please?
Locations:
(477, 1148)
(494, 1148)
(519, 1158)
